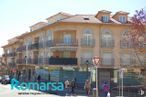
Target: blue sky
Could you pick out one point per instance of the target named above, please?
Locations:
(17, 15)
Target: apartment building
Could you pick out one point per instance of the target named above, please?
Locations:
(69, 42)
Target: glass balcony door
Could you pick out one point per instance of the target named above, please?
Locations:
(67, 39)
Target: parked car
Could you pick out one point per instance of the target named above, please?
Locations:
(5, 79)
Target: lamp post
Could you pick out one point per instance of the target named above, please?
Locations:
(95, 61)
(87, 65)
(121, 76)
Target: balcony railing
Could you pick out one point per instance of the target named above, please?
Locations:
(107, 43)
(51, 43)
(42, 45)
(19, 61)
(85, 61)
(12, 54)
(107, 61)
(35, 46)
(35, 61)
(131, 61)
(87, 43)
(21, 48)
(62, 61)
(124, 44)
(50, 61)
(12, 64)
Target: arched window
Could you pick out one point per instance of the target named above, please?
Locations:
(87, 39)
(126, 40)
(87, 34)
(107, 39)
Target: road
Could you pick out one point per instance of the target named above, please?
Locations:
(5, 91)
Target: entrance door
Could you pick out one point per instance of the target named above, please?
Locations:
(104, 76)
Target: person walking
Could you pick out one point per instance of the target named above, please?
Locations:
(67, 86)
(87, 87)
(72, 86)
(39, 78)
(105, 88)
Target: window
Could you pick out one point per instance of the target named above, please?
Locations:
(105, 19)
(49, 35)
(141, 59)
(125, 59)
(87, 56)
(122, 19)
(86, 18)
(126, 40)
(108, 58)
(107, 40)
(87, 37)
(67, 39)
(66, 54)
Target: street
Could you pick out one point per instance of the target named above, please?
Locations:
(5, 91)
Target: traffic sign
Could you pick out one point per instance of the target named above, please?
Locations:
(95, 60)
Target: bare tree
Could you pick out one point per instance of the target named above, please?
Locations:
(138, 32)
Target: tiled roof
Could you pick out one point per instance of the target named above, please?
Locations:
(82, 19)
(88, 19)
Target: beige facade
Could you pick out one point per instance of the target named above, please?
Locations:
(73, 40)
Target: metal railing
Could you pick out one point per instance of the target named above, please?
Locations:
(124, 44)
(21, 48)
(108, 61)
(107, 43)
(87, 43)
(51, 43)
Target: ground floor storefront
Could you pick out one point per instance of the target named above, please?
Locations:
(132, 77)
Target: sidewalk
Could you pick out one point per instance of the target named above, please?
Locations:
(5, 91)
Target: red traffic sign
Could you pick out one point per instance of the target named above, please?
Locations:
(95, 60)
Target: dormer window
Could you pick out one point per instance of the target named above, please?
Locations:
(122, 19)
(105, 19)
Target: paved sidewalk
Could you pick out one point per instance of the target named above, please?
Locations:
(5, 91)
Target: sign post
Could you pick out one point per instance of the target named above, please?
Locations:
(95, 61)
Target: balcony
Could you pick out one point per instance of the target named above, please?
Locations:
(29, 61)
(62, 61)
(12, 64)
(108, 61)
(85, 60)
(35, 61)
(21, 48)
(107, 43)
(124, 44)
(127, 62)
(35, 46)
(42, 45)
(87, 43)
(12, 54)
(19, 61)
(52, 43)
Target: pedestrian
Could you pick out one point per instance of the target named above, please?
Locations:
(87, 87)
(72, 86)
(39, 78)
(105, 88)
(67, 86)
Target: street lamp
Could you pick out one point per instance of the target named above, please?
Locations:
(87, 64)
(95, 61)
(121, 73)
